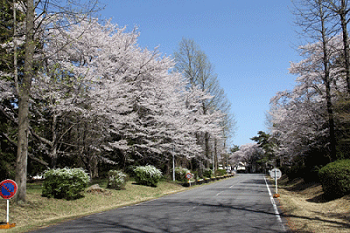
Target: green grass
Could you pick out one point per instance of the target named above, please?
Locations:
(41, 211)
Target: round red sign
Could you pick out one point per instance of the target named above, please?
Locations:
(188, 175)
(8, 189)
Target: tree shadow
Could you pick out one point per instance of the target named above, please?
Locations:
(152, 186)
(254, 181)
(344, 216)
(338, 224)
(300, 185)
(321, 198)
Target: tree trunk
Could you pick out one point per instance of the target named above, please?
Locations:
(207, 148)
(94, 166)
(23, 107)
(331, 122)
(22, 149)
(343, 22)
(216, 161)
(326, 80)
(53, 152)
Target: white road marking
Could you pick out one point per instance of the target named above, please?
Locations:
(219, 193)
(274, 206)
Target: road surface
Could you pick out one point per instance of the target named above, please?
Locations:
(239, 204)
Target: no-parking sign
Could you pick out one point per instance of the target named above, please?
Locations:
(189, 176)
(8, 189)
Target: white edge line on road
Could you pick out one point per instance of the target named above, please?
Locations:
(274, 206)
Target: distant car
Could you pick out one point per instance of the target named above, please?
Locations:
(241, 167)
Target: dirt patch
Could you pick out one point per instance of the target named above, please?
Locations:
(306, 210)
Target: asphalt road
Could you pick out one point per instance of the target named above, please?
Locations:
(239, 204)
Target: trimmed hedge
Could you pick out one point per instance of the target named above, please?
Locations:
(335, 178)
(66, 183)
(147, 175)
(116, 179)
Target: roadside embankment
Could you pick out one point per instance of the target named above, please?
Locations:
(304, 206)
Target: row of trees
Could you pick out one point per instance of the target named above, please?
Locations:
(258, 156)
(310, 124)
(77, 92)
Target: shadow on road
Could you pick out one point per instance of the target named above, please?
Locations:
(196, 217)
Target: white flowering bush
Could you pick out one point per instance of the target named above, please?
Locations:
(180, 173)
(116, 179)
(66, 183)
(147, 175)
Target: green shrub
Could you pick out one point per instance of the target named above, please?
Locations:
(295, 171)
(116, 179)
(220, 172)
(147, 175)
(180, 174)
(207, 173)
(195, 175)
(309, 174)
(65, 183)
(335, 178)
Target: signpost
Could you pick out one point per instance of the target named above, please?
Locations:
(8, 189)
(189, 177)
(276, 174)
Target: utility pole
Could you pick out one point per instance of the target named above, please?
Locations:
(213, 163)
(173, 162)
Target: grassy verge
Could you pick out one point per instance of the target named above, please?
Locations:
(41, 211)
(306, 209)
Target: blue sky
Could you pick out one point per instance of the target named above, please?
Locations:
(250, 43)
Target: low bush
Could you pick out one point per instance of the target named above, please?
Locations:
(335, 178)
(147, 175)
(220, 172)
(293, 172)
(116, 179)
(180, 174)
(207, 173)
(66, 183)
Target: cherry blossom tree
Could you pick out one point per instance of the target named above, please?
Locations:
(23, 83)
(96, 96)
(300, 118)
(146, 110)
(250, 154)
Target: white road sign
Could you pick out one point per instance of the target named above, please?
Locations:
(276, 173)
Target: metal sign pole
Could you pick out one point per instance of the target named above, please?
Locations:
(8, 211)
(174, 163)
(276, 180)
(8, 189)
(173, 167)
(276, 174)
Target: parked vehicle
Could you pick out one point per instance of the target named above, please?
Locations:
(241, 168)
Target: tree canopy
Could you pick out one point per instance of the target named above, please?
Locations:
(96, 99)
